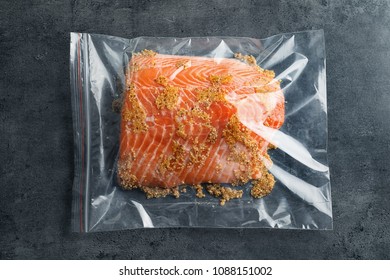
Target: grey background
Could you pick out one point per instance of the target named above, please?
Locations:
(36, 140)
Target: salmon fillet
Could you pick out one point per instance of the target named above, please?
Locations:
(181, 120)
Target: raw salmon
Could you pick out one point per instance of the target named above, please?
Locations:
(181, 120)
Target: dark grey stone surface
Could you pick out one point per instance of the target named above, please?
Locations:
(36, 140)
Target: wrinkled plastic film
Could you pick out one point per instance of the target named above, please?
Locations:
(301, 197)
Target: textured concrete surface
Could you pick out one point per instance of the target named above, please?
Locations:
(36, 141)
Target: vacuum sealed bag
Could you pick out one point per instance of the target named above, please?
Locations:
(200, 132)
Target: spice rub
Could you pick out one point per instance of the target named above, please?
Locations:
(181, 125)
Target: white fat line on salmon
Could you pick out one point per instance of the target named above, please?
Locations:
(187, 101)
(179, 100)
(196, 79)
(146, 153)
(226, 174)
(148, 98)
(185, 81)
(150, 119)
(215, 157)
(148, 165)
(178, 70)
(229, 87)
(200, 166)
(227, 170)
(137, 137)
(190, 95)
(212, 161)
(193, 95)
(174, 74)
(153, 169)
(141, 149)
(215, 154)
(186, 145)
(163, 153)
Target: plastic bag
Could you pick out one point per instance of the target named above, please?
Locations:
(301, 196)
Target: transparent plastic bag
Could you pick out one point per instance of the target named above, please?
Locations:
(301, 196)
